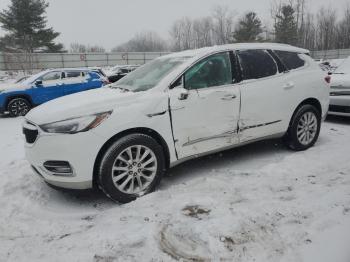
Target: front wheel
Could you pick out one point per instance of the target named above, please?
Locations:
(131, 167)
(18, 107)
(304, 129)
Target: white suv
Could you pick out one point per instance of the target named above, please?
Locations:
(124, 136)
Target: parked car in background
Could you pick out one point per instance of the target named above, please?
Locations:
(19, 98)
(22, 79)
(177, 107)
(119, 72)
(99, 71)
(340, 90)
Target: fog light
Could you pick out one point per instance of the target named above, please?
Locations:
(59, 168)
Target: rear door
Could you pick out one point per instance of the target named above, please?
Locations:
(265, 103)
(74, 81)
(205, 107)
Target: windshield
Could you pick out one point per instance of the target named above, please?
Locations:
(33, 78)
(149, 75)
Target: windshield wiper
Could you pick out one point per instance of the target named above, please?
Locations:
(122, 88)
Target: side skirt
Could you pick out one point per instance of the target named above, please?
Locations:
(278, 135)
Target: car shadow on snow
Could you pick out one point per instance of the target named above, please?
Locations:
(338, 119)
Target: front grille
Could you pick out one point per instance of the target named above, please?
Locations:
(339, 109)
(30, 135)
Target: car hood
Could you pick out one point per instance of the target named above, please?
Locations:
(81, 104)
(12, 87)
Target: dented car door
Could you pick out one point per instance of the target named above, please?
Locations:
(205, 106)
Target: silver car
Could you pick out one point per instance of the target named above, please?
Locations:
(340, 90)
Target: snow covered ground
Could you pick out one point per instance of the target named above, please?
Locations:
(260, 202)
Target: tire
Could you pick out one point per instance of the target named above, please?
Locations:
(304, 128)
(120, 178)
(18, 107)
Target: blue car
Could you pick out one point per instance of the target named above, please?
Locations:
(20, 97)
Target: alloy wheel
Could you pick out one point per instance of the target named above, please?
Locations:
(307, 128)
(19, 107)
(134, 169)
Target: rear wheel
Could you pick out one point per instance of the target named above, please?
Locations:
(131, 167)
(18, 107)
(304, 129)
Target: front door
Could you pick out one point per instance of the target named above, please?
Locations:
(74, 81)
(205, 107)
(50, 87)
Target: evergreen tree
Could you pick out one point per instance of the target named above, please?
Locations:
(248, 29)
(286, 28)
(25, 24)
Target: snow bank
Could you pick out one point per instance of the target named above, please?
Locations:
(261, 202)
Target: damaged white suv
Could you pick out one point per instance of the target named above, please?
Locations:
(123, 137)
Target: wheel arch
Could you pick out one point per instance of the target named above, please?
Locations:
(138, 130)
(25, 96)
(309, 101)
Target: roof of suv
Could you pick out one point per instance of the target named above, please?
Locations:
(238, 46)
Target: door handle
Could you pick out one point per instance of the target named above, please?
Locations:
(228, 97)
(289, 85)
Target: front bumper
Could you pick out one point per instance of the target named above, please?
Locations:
(339, 105)
(79, 150)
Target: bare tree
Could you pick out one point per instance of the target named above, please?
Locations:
(343, 30)
(182, 34)
(203, 32)
(81, 48)
(143, 42)
(223, 24)
(307, 37)
(326, 28)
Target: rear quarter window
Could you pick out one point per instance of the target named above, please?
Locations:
(291, 60)
(256, 64)
(72, 74)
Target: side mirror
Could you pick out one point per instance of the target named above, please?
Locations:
(183, 95)
(39, 82)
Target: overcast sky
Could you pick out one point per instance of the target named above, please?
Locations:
(112, 22)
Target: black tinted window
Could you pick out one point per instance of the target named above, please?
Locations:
(73, 74)
(256, 64)
(290, 59)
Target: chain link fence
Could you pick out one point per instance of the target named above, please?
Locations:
(331, 54)
(39, 61)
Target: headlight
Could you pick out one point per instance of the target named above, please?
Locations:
(76, 125)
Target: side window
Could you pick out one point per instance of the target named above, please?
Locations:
(290, 59)
(256, 64)
(211, 71)
(72, 74)
(51, 76)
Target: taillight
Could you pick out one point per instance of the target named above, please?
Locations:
(328, 79)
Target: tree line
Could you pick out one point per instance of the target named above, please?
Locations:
(25, 23)
(292, 23)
